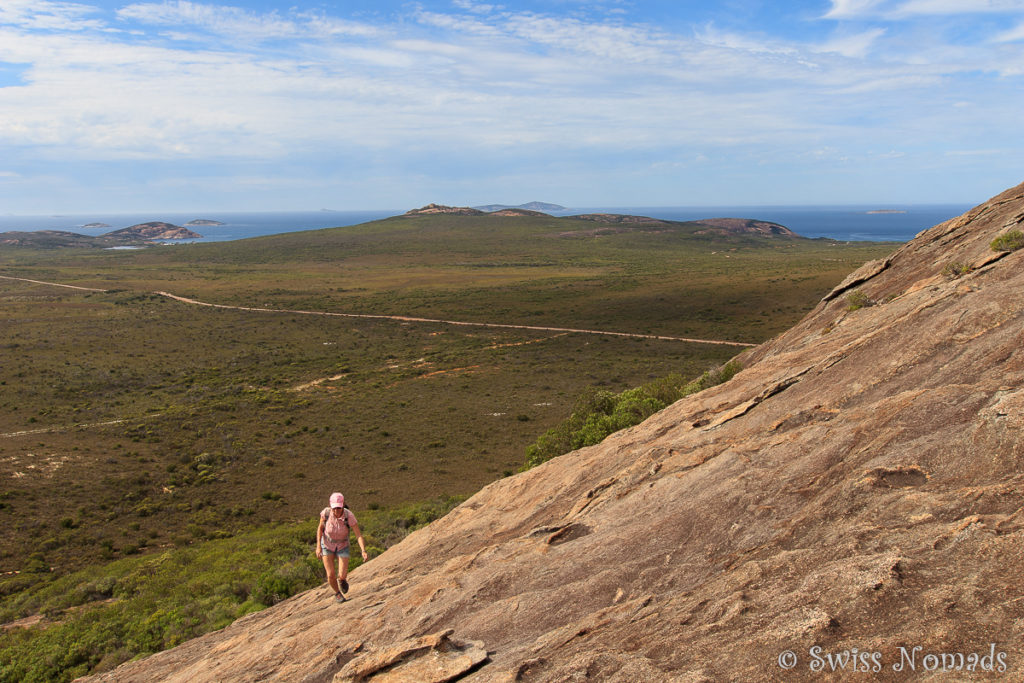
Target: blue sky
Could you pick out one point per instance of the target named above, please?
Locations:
(261, 105)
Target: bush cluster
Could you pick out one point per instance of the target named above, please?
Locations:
(599, 413)
(956, 269)
(856, 300)
(1010, 241)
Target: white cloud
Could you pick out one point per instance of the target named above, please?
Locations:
(460, 23)
(940, 7)
(46, 15)
(483, 82)
(240, 23)
(636, 44)
(515, 80)
(856, 45)
(974, 152)
(1012, 35)
(476, 7)
(846, 9)
(710, 35)
(909, 9)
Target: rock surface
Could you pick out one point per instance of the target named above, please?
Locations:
(857, 488)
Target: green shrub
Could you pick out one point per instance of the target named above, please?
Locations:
(955, 269)
(598, 413)
(273, 586)
(856, 300)
(1010, 241)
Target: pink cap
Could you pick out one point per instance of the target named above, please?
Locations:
(337, 500)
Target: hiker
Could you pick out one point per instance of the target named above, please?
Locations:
(332, 541)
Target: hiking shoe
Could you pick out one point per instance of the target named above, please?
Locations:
(344, 586)
(338, 597)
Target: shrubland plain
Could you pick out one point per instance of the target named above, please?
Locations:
(132, 423)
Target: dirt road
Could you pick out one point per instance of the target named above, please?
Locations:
(410, 319)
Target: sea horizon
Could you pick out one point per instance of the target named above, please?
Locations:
(850, 222)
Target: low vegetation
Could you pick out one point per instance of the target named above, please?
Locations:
(1010, 241)
(96, 618)
(599, 413)
(856, 300)
(956, 269)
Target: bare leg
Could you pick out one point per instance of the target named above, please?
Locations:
(332, 572)
(343, 561)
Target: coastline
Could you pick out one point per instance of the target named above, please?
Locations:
(843, 223)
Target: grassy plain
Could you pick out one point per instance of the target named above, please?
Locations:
(146, 421)
(131, 423)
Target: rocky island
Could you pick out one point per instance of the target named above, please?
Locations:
(135, 235)
(155, 230)
(529, 206)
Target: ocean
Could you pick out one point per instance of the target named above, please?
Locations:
(845, 223)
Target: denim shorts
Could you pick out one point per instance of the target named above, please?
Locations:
(340, 552)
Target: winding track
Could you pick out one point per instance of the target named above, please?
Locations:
(398, 318)
(409, 319)
(52, 284)
(412, 319)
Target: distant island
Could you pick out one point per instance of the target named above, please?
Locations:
(155, 230)
(204, 221)
(133, 236)
(886, 211)
(530, 209)
(529, 206)
(95, 225)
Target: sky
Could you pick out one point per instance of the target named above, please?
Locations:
(259, 105)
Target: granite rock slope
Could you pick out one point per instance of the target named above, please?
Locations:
(858, 488)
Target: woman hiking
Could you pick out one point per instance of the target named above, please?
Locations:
(332, 542)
